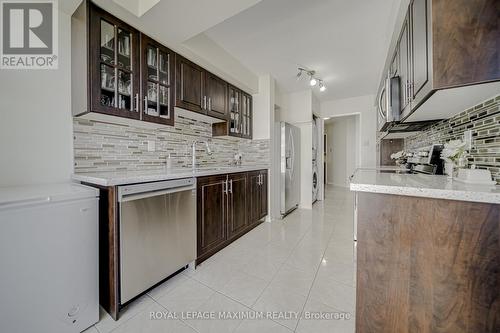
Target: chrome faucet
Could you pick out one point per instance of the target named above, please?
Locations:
(193, 146)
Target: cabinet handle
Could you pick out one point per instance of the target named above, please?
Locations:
(205, 102)
(210, 103)
(146, 104)
(136, 103)
(258, 181)
(224, 186)
(231, 186)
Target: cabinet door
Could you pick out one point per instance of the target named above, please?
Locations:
(420, 84)
(211, 213)
(255, 196)
(263, 195)
(404, 68)
(237, 219)
(234, 111)
(216, 94)
(157, 90)
(114, 66)
(189, 85)
(246, 116)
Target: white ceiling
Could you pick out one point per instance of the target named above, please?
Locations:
(345, 41)
(175, 21)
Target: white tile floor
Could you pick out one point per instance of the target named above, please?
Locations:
(303, 264)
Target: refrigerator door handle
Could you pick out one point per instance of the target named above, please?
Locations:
(292, 155)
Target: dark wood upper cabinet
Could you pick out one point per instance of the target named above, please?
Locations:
(199, 90)
(240, 116)
(158, 91)
(216, 96)
(189, 85)
(465, 41)
(105, 64)
(420, 51)
(118, 71)
(446, 44)
(404, 66)
(246, 116)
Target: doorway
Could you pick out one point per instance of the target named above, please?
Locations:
(341, 149)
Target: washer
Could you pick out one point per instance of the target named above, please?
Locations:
(315, 183)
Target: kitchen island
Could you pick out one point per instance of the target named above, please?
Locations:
(428, 254)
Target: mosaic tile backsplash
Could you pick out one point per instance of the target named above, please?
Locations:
(484, 122)
(102, 146)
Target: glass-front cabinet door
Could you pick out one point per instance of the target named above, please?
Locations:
(115, 66)
(157, 94)
(246, 116)
(234, 111)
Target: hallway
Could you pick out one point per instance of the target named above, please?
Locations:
(303, 266)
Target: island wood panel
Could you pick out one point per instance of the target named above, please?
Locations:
(427, 265)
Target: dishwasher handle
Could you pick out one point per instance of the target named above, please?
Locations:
(142, 191)
(144, 195)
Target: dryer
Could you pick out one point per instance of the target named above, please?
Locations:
(315, 183)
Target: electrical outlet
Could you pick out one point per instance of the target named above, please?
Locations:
(151, 145)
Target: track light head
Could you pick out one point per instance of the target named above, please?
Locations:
(322, 86)
(313, 81)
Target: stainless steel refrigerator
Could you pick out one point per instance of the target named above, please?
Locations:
(289, 140)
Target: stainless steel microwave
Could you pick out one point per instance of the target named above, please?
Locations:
(388, 105)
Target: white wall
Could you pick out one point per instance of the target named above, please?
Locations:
(364, 106)
(342, 152)
(208, 54)
(297, 110)
(35, 120)
(263, 128)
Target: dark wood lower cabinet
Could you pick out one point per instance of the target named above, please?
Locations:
(228, 207)
(263, 195)
(211, 213)
(237, 218)
(258, 194)
(427, 265)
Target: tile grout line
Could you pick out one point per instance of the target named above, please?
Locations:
(314, 280)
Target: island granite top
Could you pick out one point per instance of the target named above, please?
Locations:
(420, 185)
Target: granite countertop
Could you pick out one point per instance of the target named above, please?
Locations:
(420, 185)
(113, 178)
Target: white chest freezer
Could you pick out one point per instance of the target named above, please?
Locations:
(48, 258)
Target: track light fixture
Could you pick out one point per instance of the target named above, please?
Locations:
(313, 80)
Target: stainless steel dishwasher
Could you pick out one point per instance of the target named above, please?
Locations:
(157, 232)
